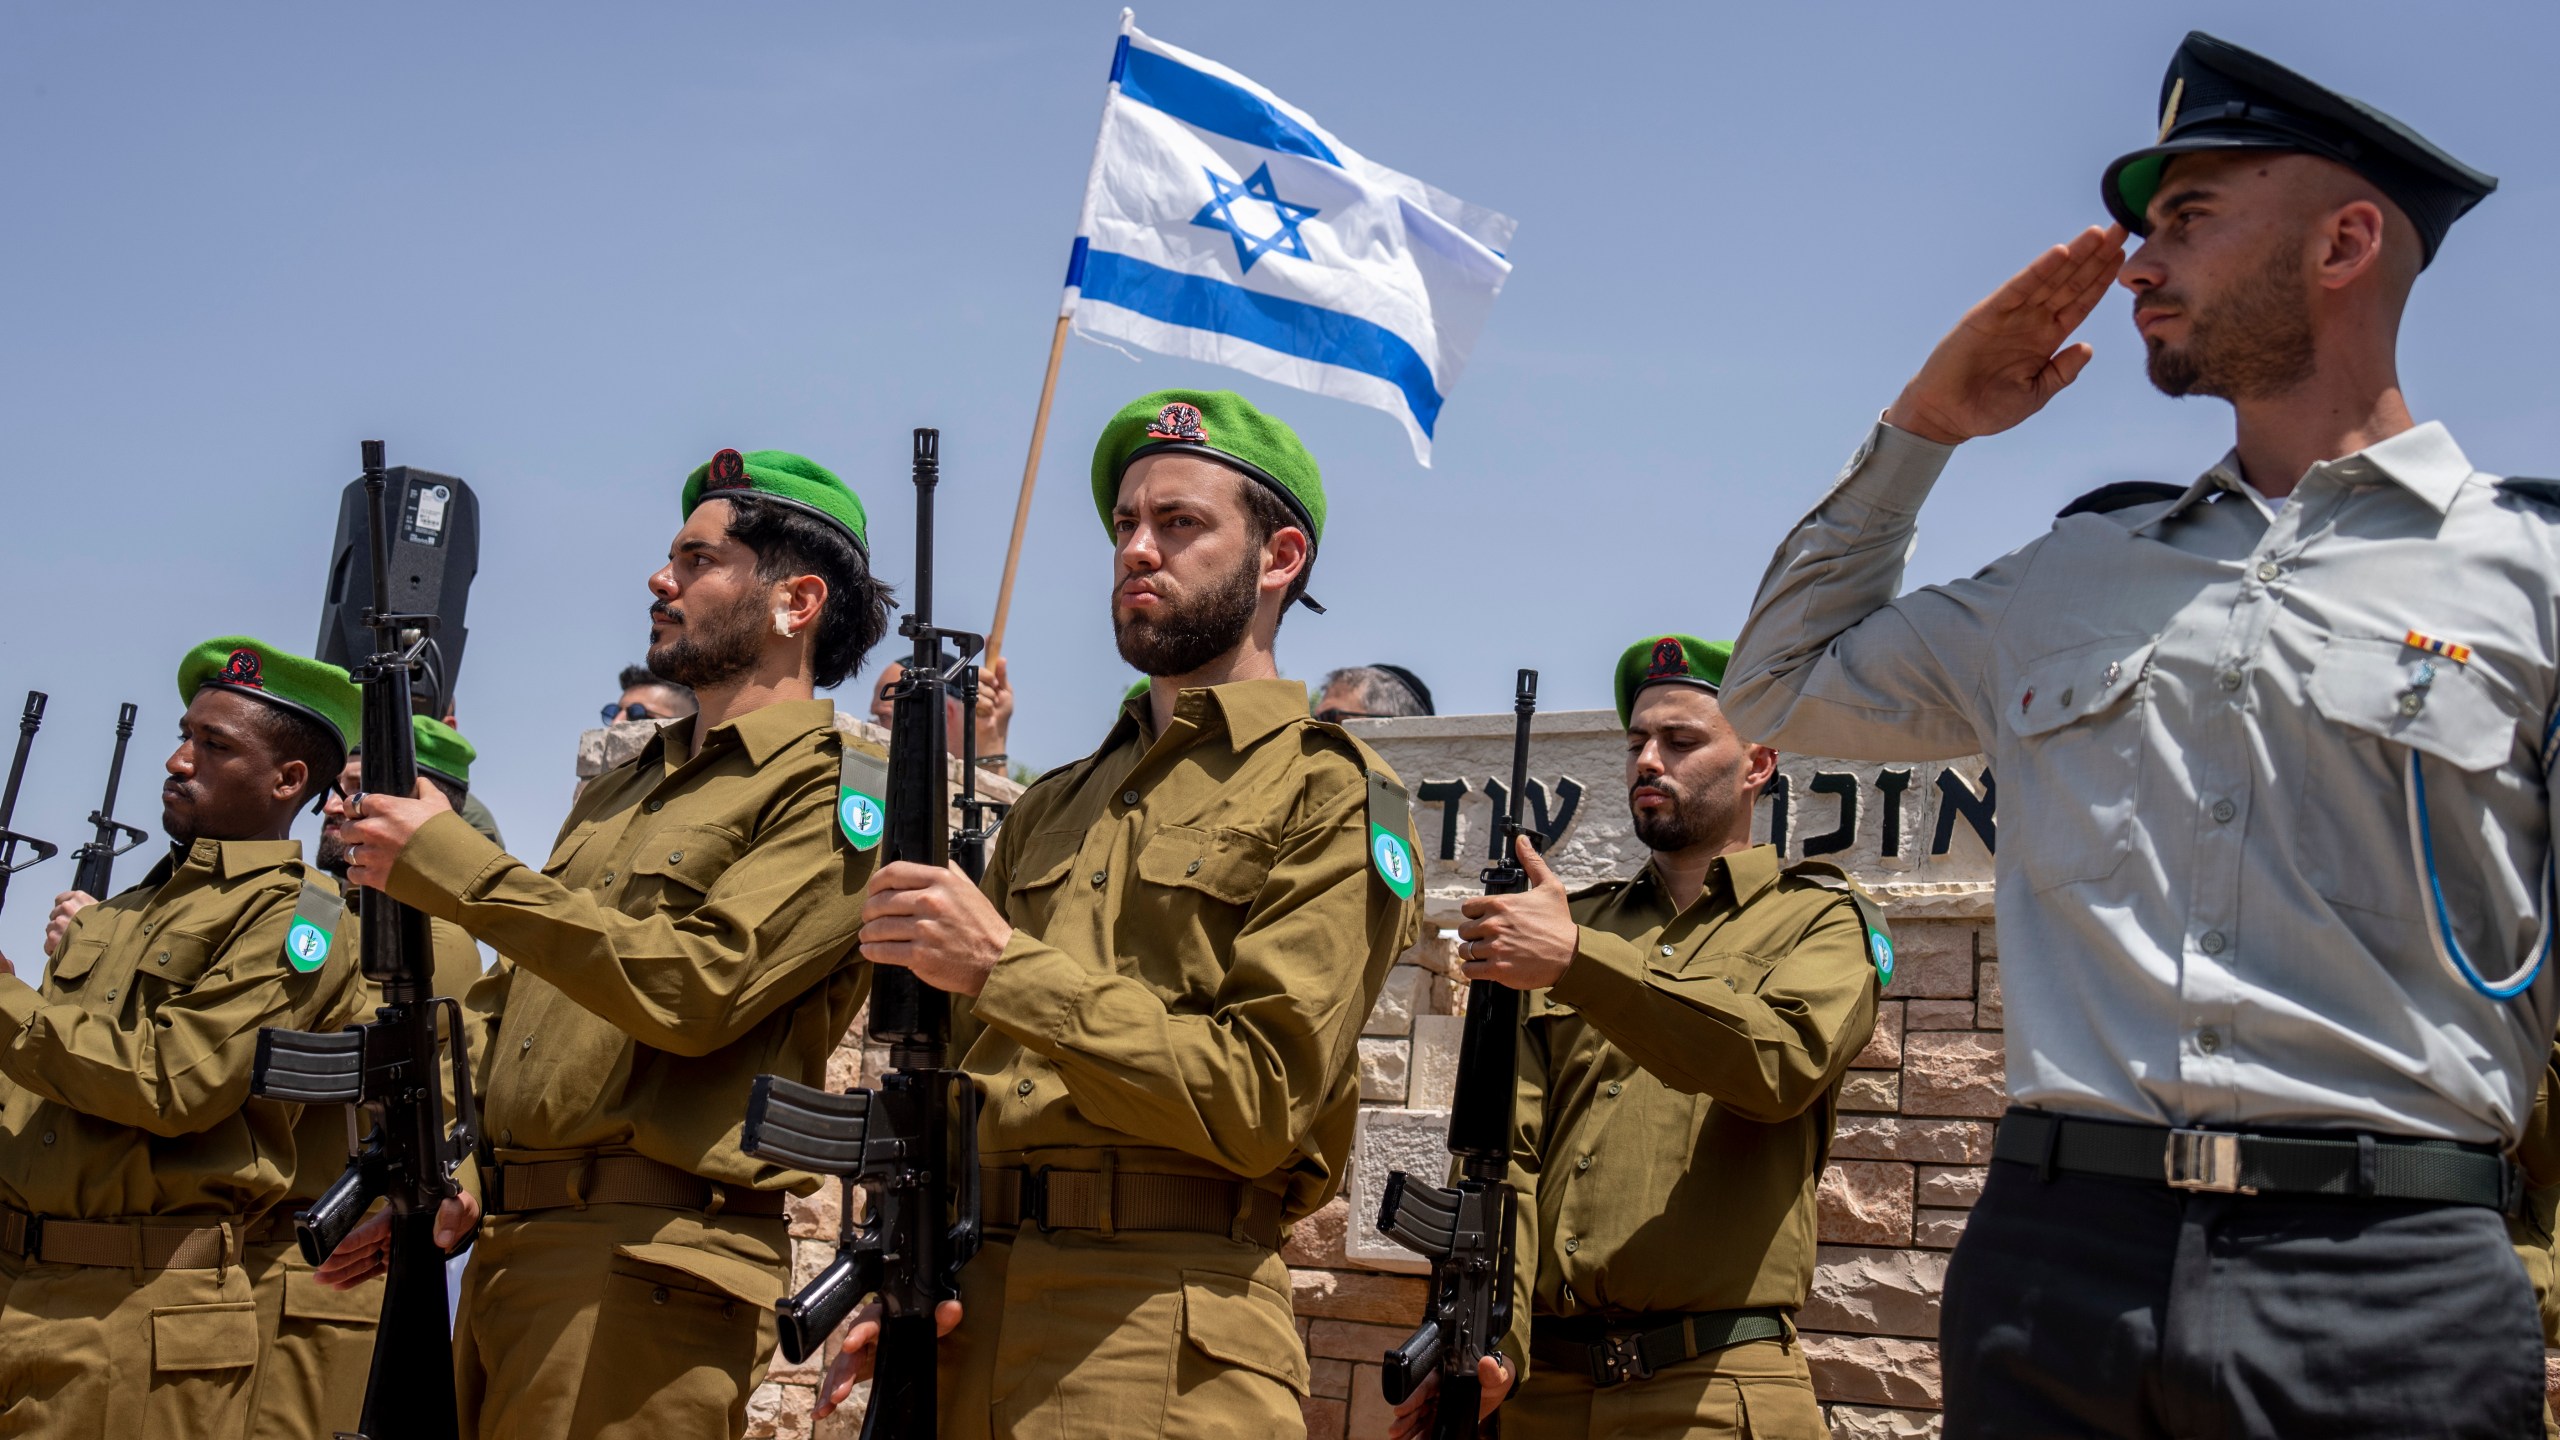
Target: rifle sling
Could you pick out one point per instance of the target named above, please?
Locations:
(1055, 1199)
(620, 1180)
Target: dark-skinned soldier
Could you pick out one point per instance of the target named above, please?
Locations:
(133, 1164)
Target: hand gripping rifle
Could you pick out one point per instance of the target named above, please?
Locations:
(390, 1066)
(1466, 1232)
(96, 861)
(908, 1150)
(28, 722)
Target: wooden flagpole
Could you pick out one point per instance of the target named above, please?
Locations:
(1030, 475)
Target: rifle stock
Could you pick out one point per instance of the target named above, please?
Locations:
(1465, 1230)
(390, 1065)
(95, 862)
(29, 721)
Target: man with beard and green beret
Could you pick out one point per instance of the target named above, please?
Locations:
(135, 1168)
(2274, 750)
(317, 1339)
(1686, 1031)
(1165, 975)
(693, 928)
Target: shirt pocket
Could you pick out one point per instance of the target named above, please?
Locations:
(71, 968)
(1196, 886)
(1228, 866)
(172, 961)
(1037, 875)
(2460, 716)
(2075, 721)
(678, 865)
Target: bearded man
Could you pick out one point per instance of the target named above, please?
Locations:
(693, 928)
(1686, 1033)
(2275, 809)
(1166, 973)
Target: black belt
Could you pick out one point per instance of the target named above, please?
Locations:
(1615, 1349)
(2228, 1162)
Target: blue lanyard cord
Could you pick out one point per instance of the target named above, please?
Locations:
(2448, 948)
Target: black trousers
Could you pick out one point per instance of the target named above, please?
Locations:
(2085, 1306)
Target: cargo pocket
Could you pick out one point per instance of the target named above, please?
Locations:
(307, 1299)
(2076, 716)
(205, 1337)
(1224, 1318)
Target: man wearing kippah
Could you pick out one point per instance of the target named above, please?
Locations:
(1167, 971)
(2273, 750)
(134, 1166)
(1685, 1034)
(1371, 692)
(693, 928)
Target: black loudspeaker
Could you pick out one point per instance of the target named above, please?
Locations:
(435, 551)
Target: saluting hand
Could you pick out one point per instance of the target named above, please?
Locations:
(1525, 941)
(58, 924)
(2006, 358)
(1415, 1416)
(851, 1364)
(378, 827)
(937, 923)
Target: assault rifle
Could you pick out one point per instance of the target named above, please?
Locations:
(908, 1150)
(389, 1065)
(1465, 1232)
(96, 861)
(28, 722)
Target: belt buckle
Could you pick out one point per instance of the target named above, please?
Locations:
(1618, 1359)
(2206, 1160)
(1035, 1199)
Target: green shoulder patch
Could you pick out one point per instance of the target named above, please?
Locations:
(1391, 851)
(862, 780)
(1870, 914)
(315, 927)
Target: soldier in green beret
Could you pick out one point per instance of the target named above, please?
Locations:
(692, 928)
(1685, 1035)
(1165, 975)
(134, 1167)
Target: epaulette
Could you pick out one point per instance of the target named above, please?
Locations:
(1591, 891)
(2120, 495)
(1870, 914)
(2527, 487)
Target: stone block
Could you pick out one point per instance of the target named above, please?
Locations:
(1987, 1014)
(1875, 1292)
(818, 1216)
(1317, 1240)
(780, 1412)
(1937, 1015)
(1370, 1413)
(1986, 942)
(1939, 1229)
(1354, 1341)
(1330, 1378)
(1864, 1202)
(1434, 1066)
(1874, 1370)
(846, 1421)
(1953, 1073)
(1382, 1070)
(1358, 1295)
(1933, 959)
(1878, 1090)
(1953, 1187)
(1436, 952)
(1393, 1014)
(1384, 1140)
(1327, 1418)
(1884, 1047)
(1895, 1137)
(1867, 1422)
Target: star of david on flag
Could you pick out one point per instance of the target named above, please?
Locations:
(1223, 224)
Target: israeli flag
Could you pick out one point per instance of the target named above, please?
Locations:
(1221, 223)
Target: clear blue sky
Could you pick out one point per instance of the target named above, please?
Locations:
(569, 251)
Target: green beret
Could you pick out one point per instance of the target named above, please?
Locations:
(1221, 425)
(1670, 660)
(279, 677)
(441, 749)
(785, 479)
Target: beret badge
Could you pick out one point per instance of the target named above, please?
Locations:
(242, 669)
(728, 472)
(1178, 421)
(1667, 659)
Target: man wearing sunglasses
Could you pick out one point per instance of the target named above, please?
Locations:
(646, 696)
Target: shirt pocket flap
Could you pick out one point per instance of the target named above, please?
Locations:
(307, 1299)
(2075, 684)
(79, 957)
(744, 1279)
(1224, 1320)
(205, 1337)
(694, 856)
(1227, 865)
(2459, 716)
(1044, 859)
(178, 957)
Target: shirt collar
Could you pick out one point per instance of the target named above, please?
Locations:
(762, 732)
(1736, 879)
(1247, 710)
(232, 859)
(2424, 460)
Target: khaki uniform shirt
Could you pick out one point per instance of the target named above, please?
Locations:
(1197, 940)
(2203, 714)
(131, 1065)
(693, 929)
(1677, 1092)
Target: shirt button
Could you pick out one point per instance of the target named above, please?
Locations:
(527, 1045)
(2412, 702)
(675, 857)
(506, 1137)
(1667, 950)
(2268, 570)
(2212, 942)
(652, 806)
(1191, 869)
(1572, 1243)
(48, 1137)
(1614, 1087)
(2209, 1041)
(2223, 810)
(164, 957)
(1099, 876)
(2230, 679)
(658, 1296)
(1128, 797)
(1582, 1164)
(1023, 1088)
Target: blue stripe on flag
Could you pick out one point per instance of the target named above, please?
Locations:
(1075, 263)
(1205, 102)
(1292, 327)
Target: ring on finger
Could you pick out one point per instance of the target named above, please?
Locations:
(355, 806)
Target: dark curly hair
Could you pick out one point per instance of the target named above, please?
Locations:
(790, 541)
